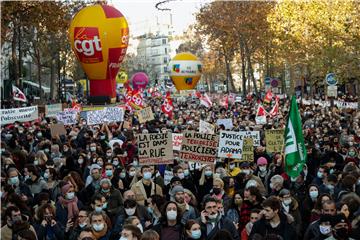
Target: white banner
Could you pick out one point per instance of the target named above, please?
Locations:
(177, 140)
(109, 114)
(230, 144)
(226, 122)
(52, 109)
(68, 118)
(206, 127)
(24, 114)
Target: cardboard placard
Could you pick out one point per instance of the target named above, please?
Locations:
(145, 115)
(24, 114)
(155, 148)
(205, 127)
(57, 129)
(177, 140)
(199, 147)
(255, 135)
(274, 140)
(230, 144)
(248, 150)
(109, 114)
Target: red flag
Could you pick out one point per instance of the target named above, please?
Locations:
(204, 99)
(134, 100)
(274, 111)
(18, 95)
(167, 106)
(268, 97)
(260, 115)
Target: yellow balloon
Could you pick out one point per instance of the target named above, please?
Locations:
(185, 71)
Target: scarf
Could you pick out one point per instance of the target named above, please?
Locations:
(71, 206)
(100, 234)
(182, 206)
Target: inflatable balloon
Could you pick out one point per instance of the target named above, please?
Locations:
(185, 71)
(99, 37)
(139, 80)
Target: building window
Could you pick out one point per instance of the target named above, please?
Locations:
(165, 50)
(165, 60)
(164, 41)
(165, 69)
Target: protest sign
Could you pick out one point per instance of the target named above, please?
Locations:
(176, 140)
(68, 117)
(230, 144)
(109, 114)
(194, 166)
(155, 148)
(248, 150)
(199, 147)
(24, 114)
(168, 175)
(274, 140)
(145, 115)
(227, 122)
(95, 117)
(205, 127)
(255, 135)
(57, 129)
(52, 109)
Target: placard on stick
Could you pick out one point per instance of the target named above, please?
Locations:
(145, 115)
(199, 147)
(274, 140)
(155, 148)
(230, 144)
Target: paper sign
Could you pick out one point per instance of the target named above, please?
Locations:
(227, 122)
(230, 144)
(168, 175)
(110, 114)
(177, 140)
(24, 114)
(67, 117)
(155, 148)
(52, 109)
(274, 140)
(145, 115)
(199, 147)
(194, 166)
(57, 129)
(205, 127)
(248, 150)
(255, 135)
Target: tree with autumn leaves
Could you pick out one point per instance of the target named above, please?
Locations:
(313, 38)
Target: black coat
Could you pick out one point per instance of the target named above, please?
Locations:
(223, 224)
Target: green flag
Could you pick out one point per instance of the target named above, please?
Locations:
(295, 150)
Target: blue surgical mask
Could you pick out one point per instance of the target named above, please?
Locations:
(98, 227)
(105, 205)
(147, 175)
(82, 225)
(186, 172)
(70, 195)
(208, 173)
(319, 174)
(196, 234)
(98, 209)
(13, 180)
(108, 173)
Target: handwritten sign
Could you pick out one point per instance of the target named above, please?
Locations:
(227, 122)
(255, 135)
(177, 140)
(109, 114)
(248, 150)
(155, 148)
(230, 144)
(199, 147)
(68, 117)
(52, 109)
(145, 115)
(205, 127)
(274, 140)
(24, 114)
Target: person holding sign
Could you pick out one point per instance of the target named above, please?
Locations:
(249, 176)
(144, 188)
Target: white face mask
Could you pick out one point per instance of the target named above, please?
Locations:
(325, 230)
(287, 202)
(140, 227)
(181, 175)
(171, 215)
(262, 168)
(130, 211)
(232, 166)
(98, 227)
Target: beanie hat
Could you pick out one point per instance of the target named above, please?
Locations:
(176, 189)
(105, 180)
(261, 161)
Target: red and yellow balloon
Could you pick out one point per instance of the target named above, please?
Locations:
(99, 36)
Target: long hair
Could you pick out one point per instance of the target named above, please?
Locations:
(164, 215)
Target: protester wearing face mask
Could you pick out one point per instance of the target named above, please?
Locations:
(19, 187)
(92, 184)
(170, 226)
(340, 228)
(154, 204)
(290, 206)
(187, 211)
(131, 177)
(205, 182)
(13, 217)
(234, 211)
(114, 201)
(188, 181)
(68, 205)
(322, 173)
(79, 225)
(50, 176)
(262, 171)
(325, 227)
(219, 193)
(134, 220)
(330, 185)
(233, 170)
(276, 184)
(144, 188)
(212, 221)
(36, 183)
(130, 232)
(48, 227)
(99, 225)
(248, 176)
(192, 230)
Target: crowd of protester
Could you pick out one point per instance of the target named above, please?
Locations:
(88, 185)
